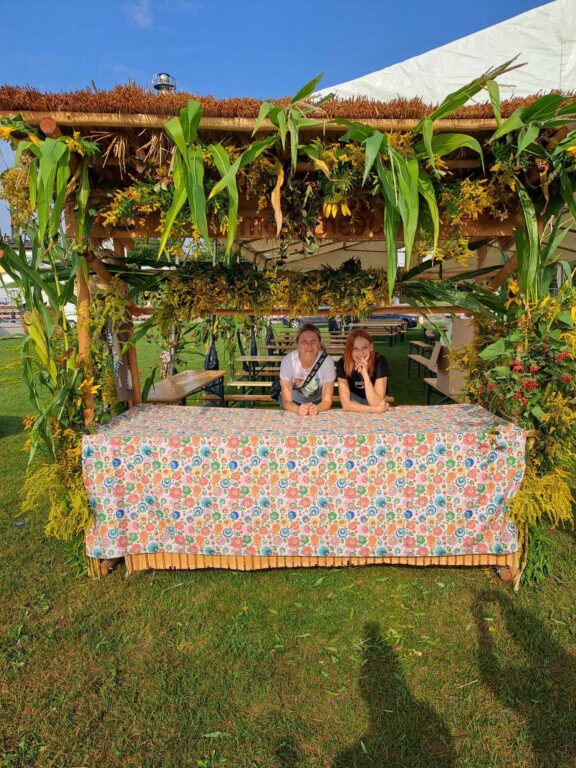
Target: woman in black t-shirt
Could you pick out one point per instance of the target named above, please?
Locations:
(362, 375)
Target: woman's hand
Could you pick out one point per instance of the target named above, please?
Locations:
(304, 409)
(362, 369)
(312, 409)
(381, 407)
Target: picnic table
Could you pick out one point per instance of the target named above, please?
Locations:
(196, 487)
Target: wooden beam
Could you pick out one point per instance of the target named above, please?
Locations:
(504, 273)
(365, 226)
(237, 124)
(49, 127)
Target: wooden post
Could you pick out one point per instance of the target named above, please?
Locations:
(131, 355)
(83, 309)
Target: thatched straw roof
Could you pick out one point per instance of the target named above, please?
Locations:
(132, 99)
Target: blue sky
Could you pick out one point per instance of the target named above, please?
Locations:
(222, 47)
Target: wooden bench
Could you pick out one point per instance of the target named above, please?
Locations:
(428, 363)
(421, 345)
(432, 386)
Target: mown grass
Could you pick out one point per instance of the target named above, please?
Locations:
(374, 666)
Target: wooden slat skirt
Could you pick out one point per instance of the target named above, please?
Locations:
(181, 561)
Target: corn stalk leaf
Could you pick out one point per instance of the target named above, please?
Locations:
(254, 151)
(455, 100)
(194, 183)
(373, 144)
(494, 94)
(178, 200)
(408, 199)
(527, 244)
(308, 89)
(82, 197)
(222, 162)
(266, 109)
(51, 153)
(446, 143)
(526, 136)
(391, 229)
(426, 189)
(427, 134)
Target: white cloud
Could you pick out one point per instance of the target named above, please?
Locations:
(140, 13)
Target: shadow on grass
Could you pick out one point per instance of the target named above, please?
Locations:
(403, 731)
(10, 425)
(539, 682)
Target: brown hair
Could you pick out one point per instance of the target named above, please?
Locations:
(314, 329)
(349, 360)
(309, 327)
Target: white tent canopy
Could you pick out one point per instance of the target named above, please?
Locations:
(544, 38)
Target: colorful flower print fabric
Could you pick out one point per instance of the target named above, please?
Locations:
(413, 481)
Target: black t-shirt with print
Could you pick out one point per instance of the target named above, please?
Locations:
(355, 380)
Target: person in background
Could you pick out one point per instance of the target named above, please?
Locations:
(362, 375)
(301, 393)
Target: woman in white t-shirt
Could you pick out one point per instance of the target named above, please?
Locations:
(316, 396)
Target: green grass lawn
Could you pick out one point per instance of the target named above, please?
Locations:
(375, 666)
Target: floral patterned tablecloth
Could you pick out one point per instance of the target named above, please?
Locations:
(228, 481)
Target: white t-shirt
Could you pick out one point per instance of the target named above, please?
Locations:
(291, 370)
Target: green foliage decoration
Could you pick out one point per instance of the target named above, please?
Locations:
(199, 289)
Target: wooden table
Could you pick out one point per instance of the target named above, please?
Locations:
(176, 388)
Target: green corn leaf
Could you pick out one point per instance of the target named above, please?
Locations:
(526, 136)
(254, 151)
(307, 122)
(178, 200)
(391, 229)
(494, 93)
(293, 126)
(174, 130)
(513, 123)
(62, 177)
(282, 127)
(408, 200)
(446, 143)
(544, 108)
(530, 255)
(455, 100)
(567, 192)
(426, 189)
(356, 131)
(51, 152)
(222, 162)
(194, 183)
(307, 90)
(190, 120)
(82, 197)
(427, 134)
(373, 145)
(265, 108)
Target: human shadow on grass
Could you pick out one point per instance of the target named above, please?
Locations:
(403, 730)
(10, 425)
(539, 683)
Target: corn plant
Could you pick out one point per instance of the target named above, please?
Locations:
(50, 368)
